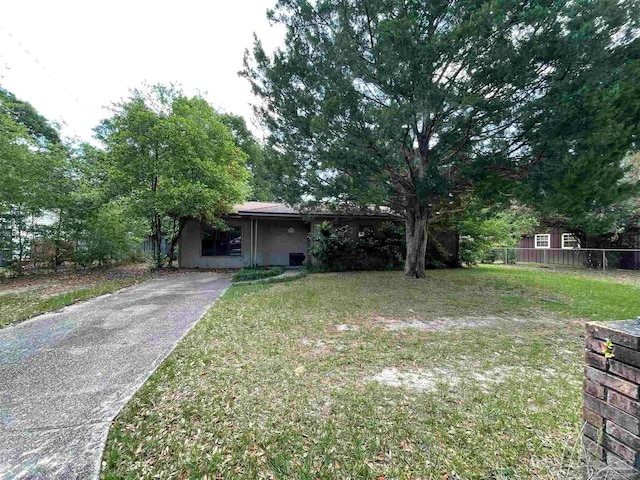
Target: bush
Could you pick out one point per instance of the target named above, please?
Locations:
(340, 248)
(52, 252)
(247, 274)
(111, 235)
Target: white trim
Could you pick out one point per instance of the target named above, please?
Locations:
(540, 235)
(574, 237)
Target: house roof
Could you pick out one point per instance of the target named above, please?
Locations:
(264, 208)
(282, 210)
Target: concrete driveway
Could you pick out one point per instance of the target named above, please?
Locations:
(64, 376)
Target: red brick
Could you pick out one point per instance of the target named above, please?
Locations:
(619, 433)
(594, 389)
(592, 417)
(620, 385)
(590, 431)
(616, 336)
(627, 355)
(593, 448)
(624, 371)
(620, 353)
(617, 469)
(595, 345)
(623, 403)
(621, 450)
(609, 412)
(594, 360)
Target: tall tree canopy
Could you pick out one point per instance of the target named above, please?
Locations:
(34, 174)
(261, 179)
(419, 104)
(172, 158)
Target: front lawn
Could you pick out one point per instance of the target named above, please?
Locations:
(472, 373)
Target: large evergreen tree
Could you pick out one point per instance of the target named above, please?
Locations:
(418, 104)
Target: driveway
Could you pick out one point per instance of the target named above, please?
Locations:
(64, 376)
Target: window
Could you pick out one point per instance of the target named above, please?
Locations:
(543, 240)
(569, 241)
(217, 243)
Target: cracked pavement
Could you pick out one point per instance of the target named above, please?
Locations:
(65, 375)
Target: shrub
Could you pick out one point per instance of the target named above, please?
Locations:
(259, 273)
(339, 248)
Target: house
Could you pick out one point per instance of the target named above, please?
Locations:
(558, 246)
(552, 238)
(265, 234)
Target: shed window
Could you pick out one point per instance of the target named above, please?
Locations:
(543, 240)
(570, 241)
(218, 243)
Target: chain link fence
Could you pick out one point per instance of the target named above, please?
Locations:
(597, 258)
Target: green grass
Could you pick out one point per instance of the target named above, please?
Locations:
(576, 294)
(247, 274)
(283, 381)
(15, 307)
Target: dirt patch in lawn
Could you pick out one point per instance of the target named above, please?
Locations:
(452, 324)
(420, 380)
(429, 379)
(345, 328)
(314, 349)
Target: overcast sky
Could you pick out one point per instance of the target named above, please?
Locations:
(85, 55)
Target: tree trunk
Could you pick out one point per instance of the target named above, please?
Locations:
(175, 240)
(157, 240)
(416, 236)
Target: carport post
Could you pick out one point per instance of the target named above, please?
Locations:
(251, 242)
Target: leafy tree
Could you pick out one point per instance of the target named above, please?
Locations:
(419, 105)
(111, 233)
(34, 172)
(172, 158)
(261, 189)
(481, 229)
(23, 113)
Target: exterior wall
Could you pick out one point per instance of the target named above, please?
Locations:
(274, 243)
(569, 257)
(542, 254)
(611, 407)
(191, 247)
(276, 239)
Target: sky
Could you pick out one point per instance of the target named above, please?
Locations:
(71, 59)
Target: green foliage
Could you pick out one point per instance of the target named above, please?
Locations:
(257, 273)
(341, 248)
(35, 174)
(172, 157)
(111, 234)
(262, 180)
(417, 105)
(608, 349)
(483, 229)
(23, 113)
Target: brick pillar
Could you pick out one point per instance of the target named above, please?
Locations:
(611, 408)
